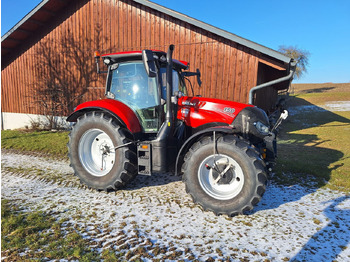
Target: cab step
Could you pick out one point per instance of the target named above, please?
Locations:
(144, 159)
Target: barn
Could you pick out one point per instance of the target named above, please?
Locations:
(62, 35)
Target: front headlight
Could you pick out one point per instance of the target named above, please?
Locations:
(263, 129)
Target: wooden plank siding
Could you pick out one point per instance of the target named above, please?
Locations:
(229, 70)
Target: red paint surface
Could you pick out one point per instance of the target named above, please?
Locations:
(206, 110)
(121, 110)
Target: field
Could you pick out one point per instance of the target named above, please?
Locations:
(47, 215)
(314, 144)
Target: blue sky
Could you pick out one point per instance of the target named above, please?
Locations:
(317, 26)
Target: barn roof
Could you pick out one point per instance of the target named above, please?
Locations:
(46, 9)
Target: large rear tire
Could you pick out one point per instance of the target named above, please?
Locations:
(91, 150)
(226, 178)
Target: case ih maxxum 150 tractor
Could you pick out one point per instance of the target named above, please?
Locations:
(149, 124)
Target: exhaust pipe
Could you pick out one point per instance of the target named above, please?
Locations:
(169, 85)
(162, 146)
(167, 126)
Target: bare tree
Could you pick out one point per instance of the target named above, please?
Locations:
(65, 69)
(300, 56)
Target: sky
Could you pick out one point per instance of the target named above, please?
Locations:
(318, 26)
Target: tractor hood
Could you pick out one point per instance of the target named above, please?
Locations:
(199, 111)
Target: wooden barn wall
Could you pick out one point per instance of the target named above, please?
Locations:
(228, 70)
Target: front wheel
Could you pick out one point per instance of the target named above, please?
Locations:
(93, 156)
(226, 177)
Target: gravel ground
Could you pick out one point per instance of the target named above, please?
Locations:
(155, 218)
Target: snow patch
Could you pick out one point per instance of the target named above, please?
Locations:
(305, 109)
(337, 106)
(334, 106)
(290, 222)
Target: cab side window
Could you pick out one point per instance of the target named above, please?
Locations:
(178, 84)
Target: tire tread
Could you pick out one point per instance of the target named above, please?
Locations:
(252, 155)
(129, 155)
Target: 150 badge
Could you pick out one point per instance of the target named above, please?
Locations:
(229, 110)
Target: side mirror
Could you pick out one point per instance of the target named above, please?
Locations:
(197, 73)
(149, 63)
(199, 81)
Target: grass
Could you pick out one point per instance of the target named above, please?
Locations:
(48, 142)
(37, 235)
(314, 147)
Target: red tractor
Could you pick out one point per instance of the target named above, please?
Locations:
(149, 124)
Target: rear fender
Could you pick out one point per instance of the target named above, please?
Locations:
(121, 112)
(194, 138)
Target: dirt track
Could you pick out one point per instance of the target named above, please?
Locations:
(155, 218)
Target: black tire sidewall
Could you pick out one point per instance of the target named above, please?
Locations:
(111, 129)
(237, 203)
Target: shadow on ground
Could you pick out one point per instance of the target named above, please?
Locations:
(317, 90)
(306, 165)
(307, 154)
(152, 181)
(327, 243)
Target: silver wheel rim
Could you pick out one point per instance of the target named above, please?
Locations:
(221, 177)
(96, 152)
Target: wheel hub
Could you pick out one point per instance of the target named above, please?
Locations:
(221, 177)
(105, 149)
(96, 152)
(225, 178)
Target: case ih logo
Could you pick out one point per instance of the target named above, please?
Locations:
(229, 110)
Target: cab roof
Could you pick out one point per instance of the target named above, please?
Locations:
(137, 55)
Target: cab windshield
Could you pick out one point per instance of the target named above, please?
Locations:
(130, 84)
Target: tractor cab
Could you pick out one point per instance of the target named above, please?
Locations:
(130, 83)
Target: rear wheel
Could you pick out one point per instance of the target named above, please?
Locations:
(92, 153)
(229, 180)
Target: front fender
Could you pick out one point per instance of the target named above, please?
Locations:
(192, 139)
(124, 114)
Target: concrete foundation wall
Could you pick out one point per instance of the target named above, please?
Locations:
(18, 120)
